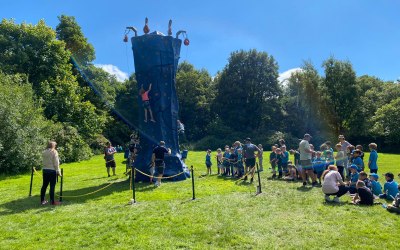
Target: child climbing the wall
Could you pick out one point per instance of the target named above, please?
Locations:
(146, 103)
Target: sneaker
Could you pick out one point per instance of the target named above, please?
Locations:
(327, 198)
(304, 183)
(109, 175)
(336, 199)
(245, 178)
(273, 176)
(56, 203)
(251, 180)
(314, 184)
(44, 202)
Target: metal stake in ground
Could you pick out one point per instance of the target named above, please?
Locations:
(133, 172)
(192, 172)
(259, 181)
(61, 183)
(30, 188)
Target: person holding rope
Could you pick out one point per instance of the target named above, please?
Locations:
(109, 152)
(249, 150)
(51, 168)
(157, 160)
(305, 160)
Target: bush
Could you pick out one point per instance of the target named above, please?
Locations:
(23, 127)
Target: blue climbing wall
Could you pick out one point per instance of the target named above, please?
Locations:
(156, 59)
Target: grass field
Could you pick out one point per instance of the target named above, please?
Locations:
(225, 215)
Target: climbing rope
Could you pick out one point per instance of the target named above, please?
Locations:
(81, 195)
(242, 178)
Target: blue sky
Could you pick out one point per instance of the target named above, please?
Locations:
(366, 32)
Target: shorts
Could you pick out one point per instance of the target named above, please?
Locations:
(160, 166)
(110, 164)
(250, 162)
(146, 104)
(208, 164)
(306, 164)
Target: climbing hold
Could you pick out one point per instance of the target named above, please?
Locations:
(186, 42)
(126, 38)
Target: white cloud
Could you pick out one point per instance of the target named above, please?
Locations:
(113, 70)
(287, 74)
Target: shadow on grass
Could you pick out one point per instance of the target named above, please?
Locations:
(304, 189)
(33, 203)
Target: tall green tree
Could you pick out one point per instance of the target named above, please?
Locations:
(195, 94)
(339, 89)
(69, 31)
(24, 130)
(248, 92)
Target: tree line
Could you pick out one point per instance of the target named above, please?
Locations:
(44, 97)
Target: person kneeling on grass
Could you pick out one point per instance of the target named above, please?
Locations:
(292, 173)
(395, 207)
(364, 195)
(376, 187)
(333, 184)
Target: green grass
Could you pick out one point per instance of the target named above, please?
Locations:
(225, 215)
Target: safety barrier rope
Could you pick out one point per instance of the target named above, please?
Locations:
(166, 177)
(250, 171)
(81, 195)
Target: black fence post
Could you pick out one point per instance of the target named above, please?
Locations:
(259, 181)
(30, 188)
(61, 184)
(191, 169)
(133, 177)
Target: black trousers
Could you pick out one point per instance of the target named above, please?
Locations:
(342, 190)
(49, 177)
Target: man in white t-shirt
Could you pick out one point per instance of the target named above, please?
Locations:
(305, 160)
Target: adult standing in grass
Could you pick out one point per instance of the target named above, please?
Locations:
(333, 184)
(344, 145)
(305, 160)
(157, 160)
(249, 150)
(373, 158)
(51, 168)
(109, 152)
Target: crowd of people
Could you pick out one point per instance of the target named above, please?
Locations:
(338, 173)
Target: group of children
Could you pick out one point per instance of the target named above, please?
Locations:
(231, 161)
(349, 164)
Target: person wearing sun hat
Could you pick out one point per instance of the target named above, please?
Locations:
(376, 187)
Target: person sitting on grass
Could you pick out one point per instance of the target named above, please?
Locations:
(319, 166)
(146, 103)
(364, 195)
(390, 189)
(219, 162)
(353, 178)
(292, 174)
(333, 184)
(373, 158)
(395, 207)
(208, 161)
(273, 160)
(362, 176)
(376, 187)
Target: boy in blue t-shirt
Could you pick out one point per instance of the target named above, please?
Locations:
(225, 162)
(390, 189)
(208, 161)
(376, 187)
(285, 159)
(357, 160)
(373, 158)
(318, 166)
(353, 178)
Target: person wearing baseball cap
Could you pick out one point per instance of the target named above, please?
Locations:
(390, 189)
(249, 150)
(376, 187)
(305, 160)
